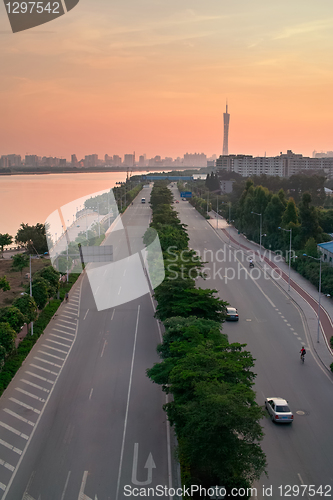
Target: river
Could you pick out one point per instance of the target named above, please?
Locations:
(32, 198)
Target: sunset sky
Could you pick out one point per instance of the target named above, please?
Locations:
(153, 77)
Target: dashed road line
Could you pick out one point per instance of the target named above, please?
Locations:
(103, 348)
(13, 414)
(91, 393)
(65, 321)
(53, 348)
(41, 378)
(43, 369)
(10, 447)
(60, 337)
(62, 331)
(29, 394)
(34, 385)
(14, 431)
(47, 362)
(7, 465)
(65, 326)
(51, 355)
(85, 314)
(3, 486)
(56, 342)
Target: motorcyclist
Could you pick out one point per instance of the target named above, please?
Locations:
(251, 263)
(302, 352)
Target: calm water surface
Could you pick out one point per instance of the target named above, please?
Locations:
(32, 198)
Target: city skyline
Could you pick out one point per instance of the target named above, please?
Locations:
(156, 81)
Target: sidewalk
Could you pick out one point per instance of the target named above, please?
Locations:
(302, 292)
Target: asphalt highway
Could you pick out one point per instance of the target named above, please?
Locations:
(274, 330)
(81, 420)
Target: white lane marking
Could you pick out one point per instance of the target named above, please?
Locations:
(74, 299)
(301, 480)
(7, 465)
(14, 431)
(3, 486)
(51, 355)
(56, 342)
(62, 331)
(124, 272)
(119, 291)
(288, 324)
(47, 362)
(40, 378)
(35, 385)
(292, 329)
(43, 369)
(65, 487)
(91, 393)
(285, 320)
(295, 333)
(105, 342)
(13, 414)
(69, 317)
(85, 314)
(10, 447)
(25, 405)
(60, 337)
(72, 308)
(127, 404)
(69, 322)
(65, 326)
(113, 314)
(54, 348)
(299, 338)
(29, 394)
(34, 429)
(150, 465)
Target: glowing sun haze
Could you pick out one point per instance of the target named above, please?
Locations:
(153, 77)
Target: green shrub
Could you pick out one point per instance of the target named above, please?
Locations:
(331, 341)
(331, 366)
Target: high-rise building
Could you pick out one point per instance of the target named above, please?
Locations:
(31, 161)
(129, 160)
(226, 119)
(14, 160)
(74, 160)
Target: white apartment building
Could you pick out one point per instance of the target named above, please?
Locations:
(284, 165)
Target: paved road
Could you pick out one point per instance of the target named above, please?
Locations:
(273, 329)
(103, 426)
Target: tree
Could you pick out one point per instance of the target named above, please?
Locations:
(13, 316)
(290, 213)
(4, 284)
(5, 240)
(20, 261)
(309, 218)
(51, 276)
(273, 213)
(33, 238)
(7, 338)
(179, 297)
(311, 248)
(27, 306)
(40, 292)
(214, 412)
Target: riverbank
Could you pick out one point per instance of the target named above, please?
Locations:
(132, 170)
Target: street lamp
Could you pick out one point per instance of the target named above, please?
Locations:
(317, 258)
(255, 213)
(288, 231)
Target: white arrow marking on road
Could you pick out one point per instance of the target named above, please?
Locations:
(82, 495)
(150, 465)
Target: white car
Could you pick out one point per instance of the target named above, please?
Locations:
(279, 410)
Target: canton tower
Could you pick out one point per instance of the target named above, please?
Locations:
(226, 119)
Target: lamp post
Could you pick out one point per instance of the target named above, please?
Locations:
(217, 211)
(207, 200)
(32, 323)
(255, 213)
(288, 231)
(317, 258)
(99, 226)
